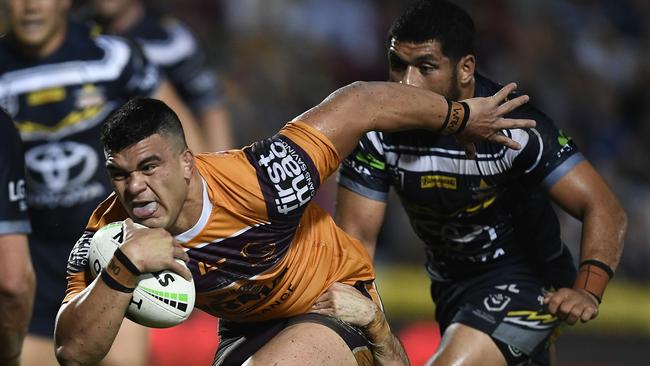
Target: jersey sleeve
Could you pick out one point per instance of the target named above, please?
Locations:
(186, 67)
(139, 76)
(290, 167)
(547, 154)
(364, 171)
(13, 210)
(78, 271)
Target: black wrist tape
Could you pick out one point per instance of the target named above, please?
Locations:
(113, 284)
(463, 124)
(456, 118)
(120, 256)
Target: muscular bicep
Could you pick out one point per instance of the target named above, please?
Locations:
(360, 217)
(360, 107)
(581, 189)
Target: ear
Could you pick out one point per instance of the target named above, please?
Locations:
(465, 69)
(187, 162)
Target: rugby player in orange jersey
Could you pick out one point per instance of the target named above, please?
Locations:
(261, 255)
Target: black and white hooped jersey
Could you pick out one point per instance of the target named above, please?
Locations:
(472, 214)
(13, 205)
(58, 103)
(171, 46)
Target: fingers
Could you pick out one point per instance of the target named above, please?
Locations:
(588, 314)
(128, 226)
(181, 269)
(513, 123)
(512, 104)
(506, 141)
(504, 92)
(570, 306)
(179, 253)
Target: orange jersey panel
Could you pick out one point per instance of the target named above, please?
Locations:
(261, 250)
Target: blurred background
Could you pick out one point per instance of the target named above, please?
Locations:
(584, 62)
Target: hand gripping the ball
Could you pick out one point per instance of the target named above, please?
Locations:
(153, 250)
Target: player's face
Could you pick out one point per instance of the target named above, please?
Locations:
(423, 65)
(110, 9)
(38, 24)
(151, 180)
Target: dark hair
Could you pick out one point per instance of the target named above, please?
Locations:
(138, 119)
(439, 20)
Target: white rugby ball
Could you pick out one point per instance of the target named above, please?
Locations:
(161, 300)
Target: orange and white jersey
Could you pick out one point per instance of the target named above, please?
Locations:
(260, 249)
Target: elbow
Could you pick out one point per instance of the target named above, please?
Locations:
(18, 288)
(67, 356)
(71, 351)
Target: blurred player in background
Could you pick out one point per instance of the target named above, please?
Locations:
(170, 44)
(17, 279)
(58, 83)
(502, 279)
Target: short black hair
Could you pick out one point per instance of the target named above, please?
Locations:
(138, 119)
(439, 20)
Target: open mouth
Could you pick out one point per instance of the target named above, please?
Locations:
(144, 210)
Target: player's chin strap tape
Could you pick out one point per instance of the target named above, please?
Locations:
(457, 117)
(120, 256)
(593, 277)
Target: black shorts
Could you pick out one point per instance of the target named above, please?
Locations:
(505, 304)
(239, 341)
(50, 260)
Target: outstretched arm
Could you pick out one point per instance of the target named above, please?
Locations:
(585, 195)
(346, 303)
(385, 106)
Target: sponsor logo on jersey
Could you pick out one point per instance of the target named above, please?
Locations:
(531, 319)
(89, 96)
(45, 96)
(17, 193)
(59, 173)
(438, 181)
(292, 181)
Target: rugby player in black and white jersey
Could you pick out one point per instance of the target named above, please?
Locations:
(58, 82)
(501, 278)
(170, 45)
(17, 279)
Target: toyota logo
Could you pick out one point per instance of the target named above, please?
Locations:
(59, 166)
